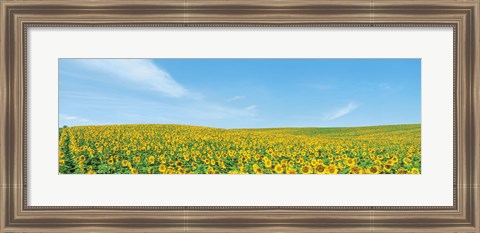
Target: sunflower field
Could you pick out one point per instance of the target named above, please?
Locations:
(181, 149)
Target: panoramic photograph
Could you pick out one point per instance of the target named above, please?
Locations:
(239, 116)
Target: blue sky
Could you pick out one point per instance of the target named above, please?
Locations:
(240, 93)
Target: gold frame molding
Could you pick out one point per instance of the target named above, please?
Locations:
(17, 16)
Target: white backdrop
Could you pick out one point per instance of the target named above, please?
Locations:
(432, 188)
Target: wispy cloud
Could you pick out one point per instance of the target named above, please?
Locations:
(68, 117)
(140, 71)
(251, 107)
(87, 96)
(341, 111)
(184, 112)
(235, 98)
(72, 118)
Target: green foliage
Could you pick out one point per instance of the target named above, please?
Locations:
(154, 149)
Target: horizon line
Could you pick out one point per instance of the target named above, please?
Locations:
(277, 127)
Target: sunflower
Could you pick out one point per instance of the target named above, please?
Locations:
(110, 161)
(221, 164)
(355, 170)
(332, 169)
(136, 159)
(151, 159)
(374, 170)
(291, 163)
(291, 171)
(387, 167)
(269, 151)
(278, 168)
(91, 172)
(178, 163)
(134, 171)
(415, 171)
(402, 171)
(350, 162)
(319, 169)
(307, 169)
(62, 162)
(395, 159)
(181, 170)
(124, 163)
(240, 165)
(223, 154)
(268, 163)
(162, 168)
(390, 162)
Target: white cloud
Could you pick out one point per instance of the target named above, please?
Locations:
(251, 107)
(341, 111)
(69, 117)
(140, 71)
(235, 98)
(72, 118)
(87, 96)
(188, 112)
